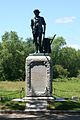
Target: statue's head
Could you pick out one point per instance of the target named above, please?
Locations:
(36, 11)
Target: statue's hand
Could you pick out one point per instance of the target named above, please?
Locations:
(43, 33)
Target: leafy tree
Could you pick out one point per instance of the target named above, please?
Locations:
(57, 44)
(11, 56)
(28, 46)
(78, 59)
(78, 63)
(59, 71)
(68, 59)
(13, 52)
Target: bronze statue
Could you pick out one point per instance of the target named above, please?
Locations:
(38, 27)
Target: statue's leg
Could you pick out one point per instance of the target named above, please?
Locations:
(35, 41)
(36, 45)
(40, 44)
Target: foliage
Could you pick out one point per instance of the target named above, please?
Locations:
(78, 75)
(57, 44)
(59, 71)
(68, 59)
(14, 50)
(12, 56)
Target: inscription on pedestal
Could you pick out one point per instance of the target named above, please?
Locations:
(38, 79)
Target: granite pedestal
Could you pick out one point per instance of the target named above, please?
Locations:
(38, 81)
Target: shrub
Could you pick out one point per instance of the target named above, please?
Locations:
(59, 72)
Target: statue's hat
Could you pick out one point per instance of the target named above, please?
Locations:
(36, 10)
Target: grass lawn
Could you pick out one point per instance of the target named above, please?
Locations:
(64, 105)
(11, 86)
(66, 89)
(12, 89)
(63, 89)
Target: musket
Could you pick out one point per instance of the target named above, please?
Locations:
(52, 39)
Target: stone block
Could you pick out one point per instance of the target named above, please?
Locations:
(38, 75)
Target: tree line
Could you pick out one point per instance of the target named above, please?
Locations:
(14, 50)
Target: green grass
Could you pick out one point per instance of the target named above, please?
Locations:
(8, 85)
(64, 105)
(12, 89)
(66, 89)
(10, 105)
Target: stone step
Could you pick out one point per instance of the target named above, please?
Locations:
(37, 103)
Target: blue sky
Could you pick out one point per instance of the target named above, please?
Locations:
(62, 17)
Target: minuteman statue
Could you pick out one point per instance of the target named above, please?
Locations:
(38, 27)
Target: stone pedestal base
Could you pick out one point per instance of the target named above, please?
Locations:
(38, 82)
(38, 75)
(37, 103)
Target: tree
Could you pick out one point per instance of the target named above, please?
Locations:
(13, 53)
(78, 59)
(68, 59)
(59, 72)
(14, 50)
(28, 46)
(78, 63)
(57, 44)
(12, 56)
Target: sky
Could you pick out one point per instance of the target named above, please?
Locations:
(62, 18)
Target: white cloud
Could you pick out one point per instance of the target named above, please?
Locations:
(69, 19)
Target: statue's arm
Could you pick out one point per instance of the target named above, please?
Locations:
(44, 27)
(32, 23)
